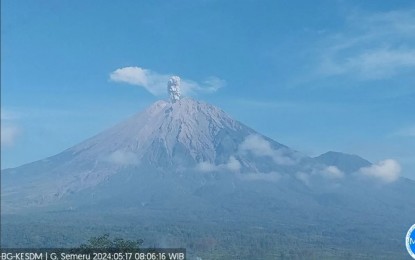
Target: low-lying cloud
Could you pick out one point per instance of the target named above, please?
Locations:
(123, 158)
(386, 171)
(269, 176)
(231, 165)
(9, 129)
(303, 177)
(156, 83)
(9, 134)
(332, 172)
(258, 146)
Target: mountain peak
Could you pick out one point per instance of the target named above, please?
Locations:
(184, 132)
(181, 136)
(345, 162)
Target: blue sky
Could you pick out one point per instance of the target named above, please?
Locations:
(314, 75)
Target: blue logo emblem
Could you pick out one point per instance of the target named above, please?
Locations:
(410, 241)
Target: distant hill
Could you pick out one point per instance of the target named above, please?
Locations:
(345, 162)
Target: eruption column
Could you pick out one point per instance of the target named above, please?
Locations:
(173, 88)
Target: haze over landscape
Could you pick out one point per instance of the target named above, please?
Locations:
(333, 75)
(212, 176)
(256, 130)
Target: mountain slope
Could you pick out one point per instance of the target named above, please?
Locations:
(170, 137)
(189, 167)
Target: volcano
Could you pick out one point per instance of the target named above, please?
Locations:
(187, 164)
(171, 138)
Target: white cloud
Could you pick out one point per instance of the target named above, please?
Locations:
(153, 82)
(258, 146)
(123, 158)
(303, 177)
(332, 172)
(373, 46)
(392, 22)
(372, 64)
(385, 171)
(407, 131)
(9, 133)
(8, 115)
(156, 83)
(270, 176)
(210, 85)
(9, 130)
(206, 167)
(231, 165)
